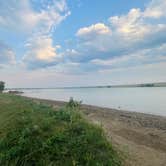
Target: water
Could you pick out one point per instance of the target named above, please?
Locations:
(150, 100)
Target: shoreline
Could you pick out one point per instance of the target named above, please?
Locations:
(61, 103)
(141, 136)
(138, 116)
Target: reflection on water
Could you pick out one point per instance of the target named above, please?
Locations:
(147, 100)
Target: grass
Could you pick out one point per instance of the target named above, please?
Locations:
(35, 134)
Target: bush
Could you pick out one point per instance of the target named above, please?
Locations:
(73, 104)
(2, 86)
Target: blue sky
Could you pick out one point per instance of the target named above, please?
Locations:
(49, 43)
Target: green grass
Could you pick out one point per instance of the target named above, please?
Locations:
(35, 134)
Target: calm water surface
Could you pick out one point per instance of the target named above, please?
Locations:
(146, 100)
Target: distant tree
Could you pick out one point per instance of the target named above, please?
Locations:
(2, 86)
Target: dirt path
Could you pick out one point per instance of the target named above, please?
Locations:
(140, 137)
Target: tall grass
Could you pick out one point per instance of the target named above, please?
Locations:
(34, 134)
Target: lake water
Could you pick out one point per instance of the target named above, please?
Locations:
(146, 99)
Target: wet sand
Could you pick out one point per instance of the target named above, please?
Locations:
(141, 138)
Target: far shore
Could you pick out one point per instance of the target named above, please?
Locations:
(141, 136)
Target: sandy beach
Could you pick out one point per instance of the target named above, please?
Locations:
(141, 138)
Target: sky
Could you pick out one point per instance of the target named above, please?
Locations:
(56, 43)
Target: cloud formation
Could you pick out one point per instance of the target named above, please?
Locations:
(155, 9)
(131, 40)
(23, 17)
(122, 36)
(126, 40)
(7, 55)
(37, 19)
(41, 52)
(93, 30)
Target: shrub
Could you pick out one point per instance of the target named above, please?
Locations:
(2, 86)
(73, 104)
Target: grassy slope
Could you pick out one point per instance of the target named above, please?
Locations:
(35, 134)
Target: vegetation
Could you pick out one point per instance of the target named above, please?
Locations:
(34, 133)
(147, 85)
(2, 86)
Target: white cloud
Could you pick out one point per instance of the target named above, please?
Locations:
(132, 41)
(96, 29)
(51, 78)
(36, 20)
(126, 40)
(131, 25)
(7, 55)
(38, 24)
(20, 16)
(41, 47)
(142, 73)
(94, 38)
(117, 61)
(130, 33)
(145, 56)
(17, 15)
(155, 9)
(66, 68)
(41, 52)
